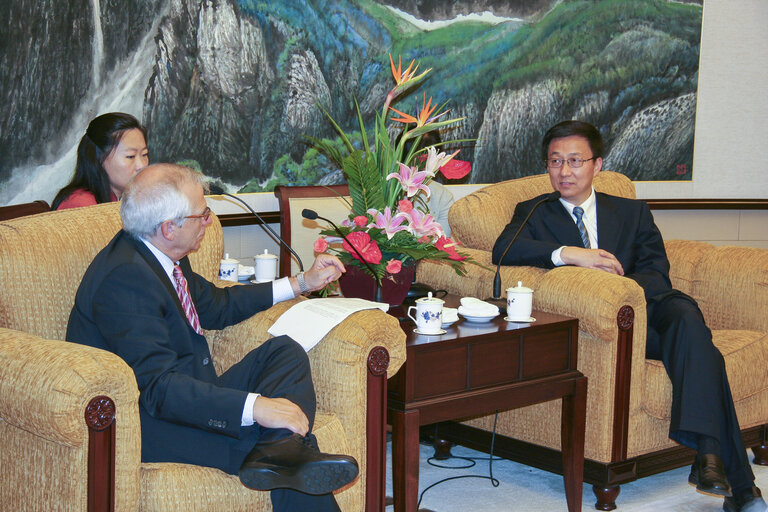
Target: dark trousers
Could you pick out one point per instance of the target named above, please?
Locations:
(277, 369)
(701, 396)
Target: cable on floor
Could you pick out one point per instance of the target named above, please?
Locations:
(490, 459)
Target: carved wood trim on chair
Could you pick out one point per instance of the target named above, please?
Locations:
(376, 430)
(284, 196)
(625, 321)
(100, 418)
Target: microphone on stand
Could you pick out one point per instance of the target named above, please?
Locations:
(217, 190)
(312, 215)
(554, 196)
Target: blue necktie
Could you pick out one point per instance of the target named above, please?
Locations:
(578, 212)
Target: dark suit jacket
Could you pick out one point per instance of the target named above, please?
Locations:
(127, 304)
(625, 228)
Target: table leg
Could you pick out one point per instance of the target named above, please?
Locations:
(405, 460)
(574, 416)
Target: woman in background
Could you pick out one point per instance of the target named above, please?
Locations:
(112, 151)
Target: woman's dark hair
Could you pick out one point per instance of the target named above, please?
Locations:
(577, 128)
(100, 139)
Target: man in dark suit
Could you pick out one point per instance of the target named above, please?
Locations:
(618, 235)
(141, 300)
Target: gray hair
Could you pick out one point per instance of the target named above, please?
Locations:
(145, 206)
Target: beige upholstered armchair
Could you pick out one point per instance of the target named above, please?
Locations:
(629, 397)
(69, 419)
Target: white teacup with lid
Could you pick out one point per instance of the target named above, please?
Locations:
(265, 267)
(429, 315)
(519, 303)
(228, 268)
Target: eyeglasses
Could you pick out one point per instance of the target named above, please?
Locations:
(573, 163)
(205, 215)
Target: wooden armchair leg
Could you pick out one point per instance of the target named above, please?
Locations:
(606, 496)
(761, 454)
(100, 418)
(376, 425)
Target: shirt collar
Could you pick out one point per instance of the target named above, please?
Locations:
(162, 258)
(588, 205)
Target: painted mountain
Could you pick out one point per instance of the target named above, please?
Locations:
(233, 86)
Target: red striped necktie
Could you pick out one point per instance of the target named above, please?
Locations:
(182, 289)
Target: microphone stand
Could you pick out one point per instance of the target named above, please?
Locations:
(312, 215)
(497, 278)
(218, 191)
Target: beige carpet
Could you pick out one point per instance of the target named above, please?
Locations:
(525, 489)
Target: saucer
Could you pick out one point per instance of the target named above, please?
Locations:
(528, 320)
(479, 319)
(448, 324)
(438, 333)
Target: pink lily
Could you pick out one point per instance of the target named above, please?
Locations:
(423, 224)
(410, 179)
(388, 223)
(436, 160)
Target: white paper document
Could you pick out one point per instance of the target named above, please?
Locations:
(310, 320)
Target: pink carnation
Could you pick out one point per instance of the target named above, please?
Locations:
(394, 266)
(321, 245)
(404, 205)
(361, 221)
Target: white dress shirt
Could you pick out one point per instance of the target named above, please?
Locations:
(590, 223)
(281, 291)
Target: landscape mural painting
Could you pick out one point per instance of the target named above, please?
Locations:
(234, 87)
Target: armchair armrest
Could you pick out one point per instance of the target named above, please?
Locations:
(730, 283)
(478, 281)
(46, 384)
(45, 388)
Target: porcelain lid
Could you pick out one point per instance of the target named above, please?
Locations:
(519, 288)
(429, 299)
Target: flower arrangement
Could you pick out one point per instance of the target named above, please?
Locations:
(389, 222)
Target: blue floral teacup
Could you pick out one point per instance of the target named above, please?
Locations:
(429, 315)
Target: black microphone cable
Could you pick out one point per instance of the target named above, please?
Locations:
(216, 190)
(497, 278)
(494, 481)
(312, 215)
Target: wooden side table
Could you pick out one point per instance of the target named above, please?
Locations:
(477, 369)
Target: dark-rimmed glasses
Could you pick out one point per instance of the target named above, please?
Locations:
(573, 163)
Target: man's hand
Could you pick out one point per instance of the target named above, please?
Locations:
(591, 258)
(280, 413)
(325, 269)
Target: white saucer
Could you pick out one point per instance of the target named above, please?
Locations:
(438, 333)
(448, 324)
(528, 320)
(479, 319)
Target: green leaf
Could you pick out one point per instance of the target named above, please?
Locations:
(366, 187)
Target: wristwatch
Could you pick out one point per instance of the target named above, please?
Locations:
(302, 283)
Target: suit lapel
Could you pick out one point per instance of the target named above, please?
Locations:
(157, 268)
(608, 224)
(559, 222)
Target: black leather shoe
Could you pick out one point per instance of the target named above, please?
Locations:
(291, 463)
(752, 502)
(708, 475)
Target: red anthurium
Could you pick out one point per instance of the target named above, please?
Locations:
(456, 169)
(449, 246)
(368, 248)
